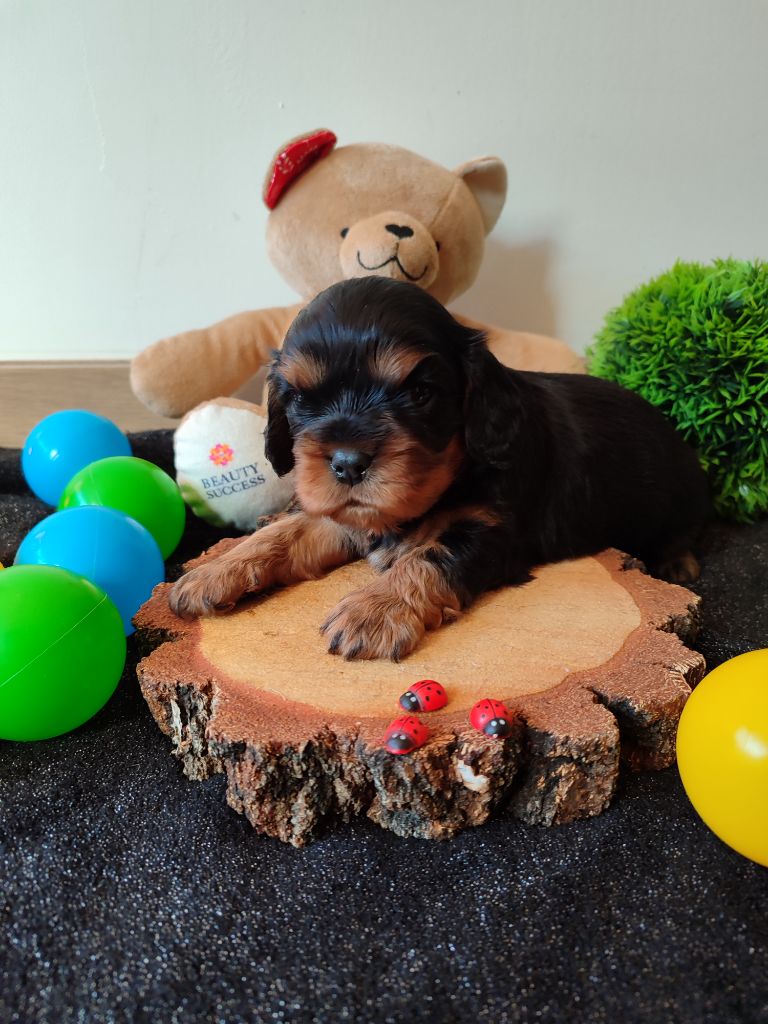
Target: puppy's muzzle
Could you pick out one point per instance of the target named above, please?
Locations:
(350, 466)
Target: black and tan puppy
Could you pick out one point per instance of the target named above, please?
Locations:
(413, 446)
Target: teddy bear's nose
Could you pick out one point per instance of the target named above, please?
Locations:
(400, 230)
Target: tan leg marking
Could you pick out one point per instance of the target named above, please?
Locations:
(295, 547)
(682, 568)
(388, 618)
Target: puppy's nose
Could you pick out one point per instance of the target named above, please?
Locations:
(350, 466)
(400, 230)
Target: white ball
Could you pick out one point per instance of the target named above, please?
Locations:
(221, 469)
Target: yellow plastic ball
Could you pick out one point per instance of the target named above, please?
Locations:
(722, 753)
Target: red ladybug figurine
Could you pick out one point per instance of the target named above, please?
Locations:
(426, 695)
(405, 734)
(491, 717)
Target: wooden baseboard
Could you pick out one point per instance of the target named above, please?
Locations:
(30, 391)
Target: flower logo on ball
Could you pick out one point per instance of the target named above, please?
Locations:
(221, 454)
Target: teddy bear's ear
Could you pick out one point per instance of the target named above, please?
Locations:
(292, 159)
(486, 179)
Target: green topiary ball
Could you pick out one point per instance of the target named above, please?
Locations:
(694, 342)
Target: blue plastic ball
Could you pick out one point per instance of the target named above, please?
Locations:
(105, 546)
(64, 443)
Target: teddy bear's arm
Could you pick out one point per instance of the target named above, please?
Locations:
(176, 374)
(523, 351)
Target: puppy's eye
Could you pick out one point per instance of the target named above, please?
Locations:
(344, 232)
(298, 399)
(421, 393)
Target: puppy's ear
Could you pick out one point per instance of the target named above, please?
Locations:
(278, 439)
(493, 409)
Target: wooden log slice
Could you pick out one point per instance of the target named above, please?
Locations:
(589, 657)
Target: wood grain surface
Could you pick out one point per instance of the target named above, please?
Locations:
(589, 657)
(30, 391)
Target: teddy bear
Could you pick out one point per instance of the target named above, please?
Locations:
(335, 212)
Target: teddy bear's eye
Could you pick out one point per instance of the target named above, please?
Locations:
(344, 232)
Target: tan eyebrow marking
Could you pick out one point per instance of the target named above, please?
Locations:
(394, 364)
(302, 370)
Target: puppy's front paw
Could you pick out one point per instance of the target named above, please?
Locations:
(210, 589)
(371, 624)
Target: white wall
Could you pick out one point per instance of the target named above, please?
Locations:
(134, 135)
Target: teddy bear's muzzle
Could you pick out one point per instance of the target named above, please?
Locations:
(390, 244)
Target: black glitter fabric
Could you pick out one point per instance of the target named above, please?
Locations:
(130, 894)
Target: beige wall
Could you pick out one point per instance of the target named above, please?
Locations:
(134, 136)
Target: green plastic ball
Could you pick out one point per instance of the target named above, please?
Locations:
(139, 488)
(62, 651)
